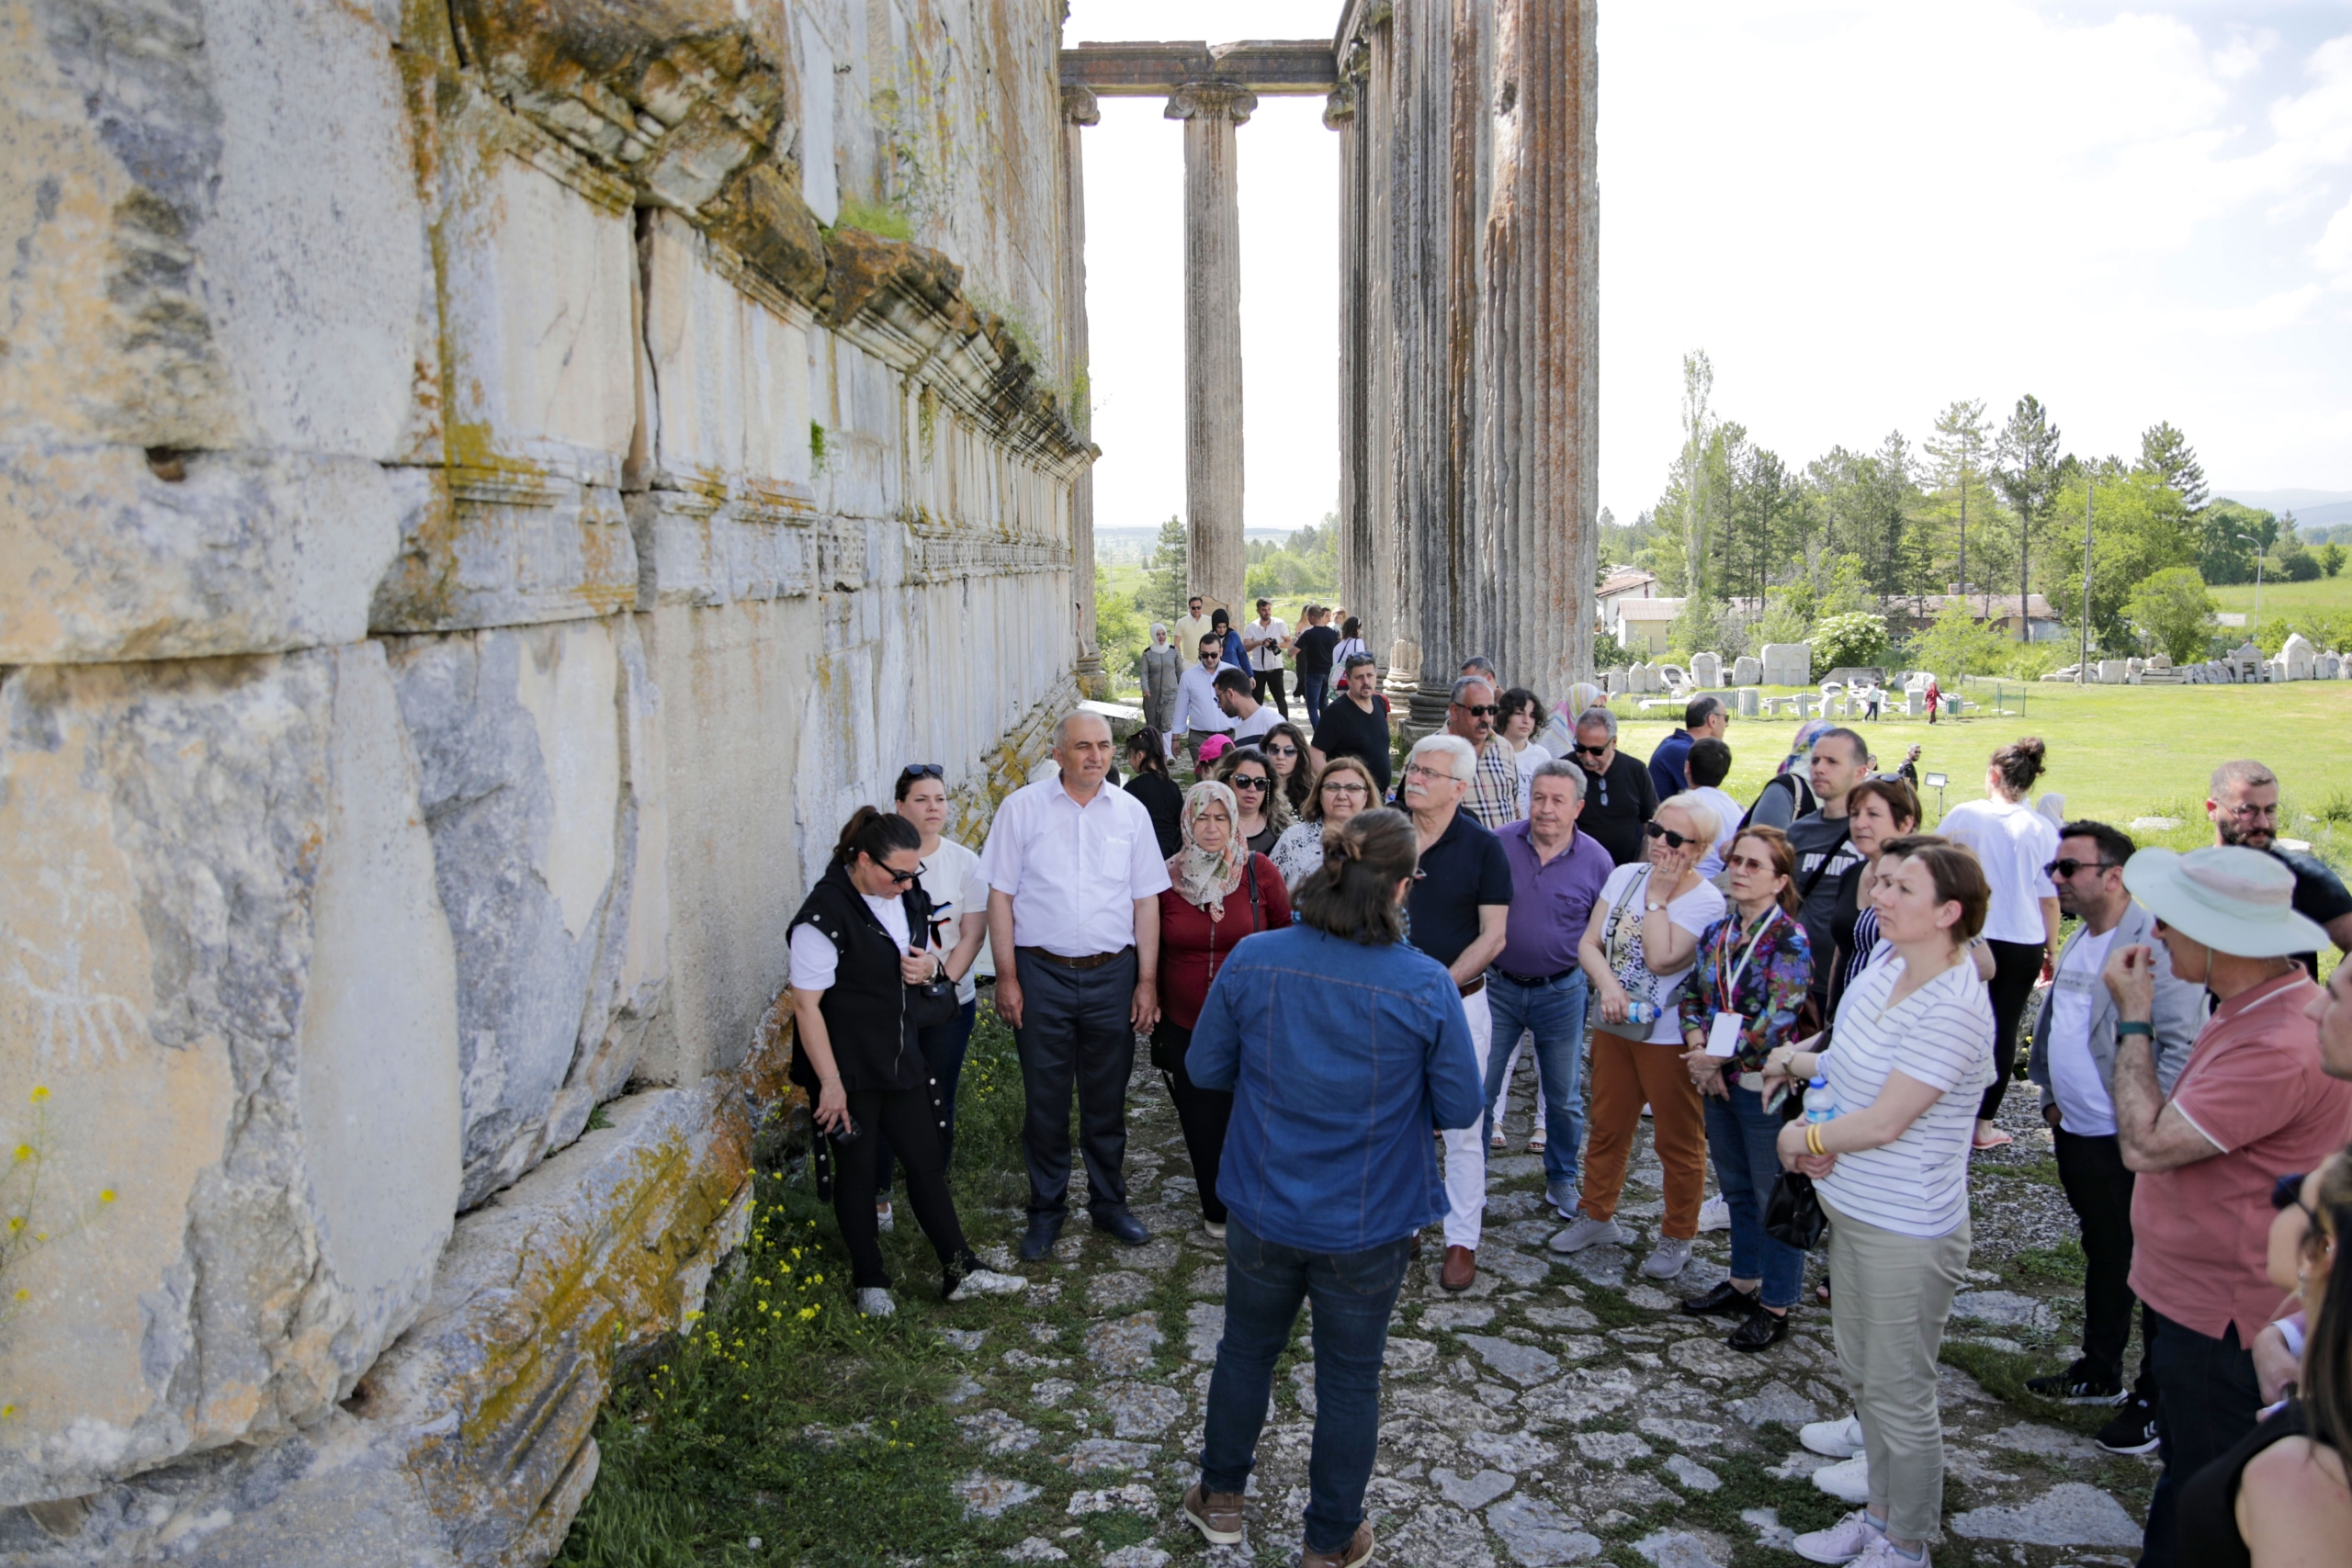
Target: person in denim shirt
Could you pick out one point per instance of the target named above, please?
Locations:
(1755, 964)
(1343, 1049)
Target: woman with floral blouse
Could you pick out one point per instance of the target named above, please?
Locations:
(1742, 999)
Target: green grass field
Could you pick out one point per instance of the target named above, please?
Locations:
(2286, 598)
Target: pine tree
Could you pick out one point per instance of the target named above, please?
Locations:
(2165, 453)
(1958, 450)
(2028, 471)
(1165, 575)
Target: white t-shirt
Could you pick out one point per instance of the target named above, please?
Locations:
(1270, 657)
(1625, 892)
(2084, 1103)
(815, 960)
(1727, 815)
(1941, 1035)
(1529, 757)
(2013, 842)
(951, 877)
(1248, 731)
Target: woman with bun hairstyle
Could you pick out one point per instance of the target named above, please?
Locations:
(2014, 843)
(854, 953)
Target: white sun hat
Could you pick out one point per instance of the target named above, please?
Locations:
(2233, 899)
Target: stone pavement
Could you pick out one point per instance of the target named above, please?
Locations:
(1559, 1411)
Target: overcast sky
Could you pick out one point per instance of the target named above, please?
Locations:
(1860, 212)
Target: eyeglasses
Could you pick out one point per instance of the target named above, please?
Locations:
(1484, 710)
(925, 770)
(1674, 840)
(1245, 781)
(1281, 750)
(1347, 786)
(1415, 771)
(2066, 868)
(1749, 863)
(1591, 750)
(2247, 813)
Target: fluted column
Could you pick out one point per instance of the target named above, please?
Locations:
(1213, 457)
(1079, 112)
(1539, 348)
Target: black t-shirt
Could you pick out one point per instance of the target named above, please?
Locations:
(1826, 861)
(1347, 731)
(2319, 896)
(1466, 867)
(1165, 802)
(1314, 648)
(1616, 802)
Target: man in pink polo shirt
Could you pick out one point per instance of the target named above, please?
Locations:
(2252, 1104)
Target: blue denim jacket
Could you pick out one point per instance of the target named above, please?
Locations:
(1342, 1059)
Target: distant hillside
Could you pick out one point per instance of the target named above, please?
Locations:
(2320, 514)
(1133, 546)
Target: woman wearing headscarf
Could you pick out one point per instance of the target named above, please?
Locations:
(1222, 624)
(1219, 892)
(1162, 668)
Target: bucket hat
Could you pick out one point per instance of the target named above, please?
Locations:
(2233, 900)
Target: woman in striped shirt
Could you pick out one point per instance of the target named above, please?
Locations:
(1914, 1050)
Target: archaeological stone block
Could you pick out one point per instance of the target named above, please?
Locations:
(1788, 664)
(1747, 702)
(1747, 671)
(1706, 669)
(491, 547)
(733, 373)
(2297, 655)
(229, 966)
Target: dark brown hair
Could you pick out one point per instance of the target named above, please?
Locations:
(1899, 796)
(2019, 763)
(1149, 750)
(1784, 862)
(874, 834)
(1955, 873)
(1313, 810)
(1353, 892)
(2327, 1380)
(1300, 781)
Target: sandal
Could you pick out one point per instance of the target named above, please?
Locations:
(1994, 1141)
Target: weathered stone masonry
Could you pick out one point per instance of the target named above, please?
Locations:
(475, 519)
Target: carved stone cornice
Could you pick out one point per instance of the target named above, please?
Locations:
(1212, 100)
(1080, 105)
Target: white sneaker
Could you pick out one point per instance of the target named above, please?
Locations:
(1838, 1439)
(987, 1282)
(1881, 1553)
(1645, 1109)
(874, 1301)
(1212, 1229)
(1585, 1231)
(1668, 1259)
(1849, 1480)
(885, 1217)
(1714, 1214)
(1841, 1542)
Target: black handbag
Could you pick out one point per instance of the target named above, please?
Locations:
(1794, 1213)
(933, 1003)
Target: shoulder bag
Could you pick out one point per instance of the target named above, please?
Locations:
(933, 1003)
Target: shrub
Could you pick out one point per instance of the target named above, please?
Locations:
(2172, 610)
(1855, 637)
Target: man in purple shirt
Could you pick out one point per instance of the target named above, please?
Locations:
(1534, 983)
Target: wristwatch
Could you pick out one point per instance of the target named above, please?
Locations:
(2129, 1027)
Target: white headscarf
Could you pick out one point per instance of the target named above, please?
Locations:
(1203, 880)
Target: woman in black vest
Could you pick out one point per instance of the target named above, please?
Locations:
(854, 961)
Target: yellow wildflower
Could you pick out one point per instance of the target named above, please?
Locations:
(23, 1152)
(106, 1194)
(40, 1095)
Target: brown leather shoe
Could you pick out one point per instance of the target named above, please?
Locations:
(1216, 1514)
(1357, 1551)
(1461, 1268)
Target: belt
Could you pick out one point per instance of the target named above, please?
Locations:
(1472, 987)
(1092, 961)
(1533, 980)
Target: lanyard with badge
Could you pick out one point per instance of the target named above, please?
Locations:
(1722, 1031)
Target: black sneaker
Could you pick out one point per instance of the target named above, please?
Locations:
(2133, 1430)
(2081, 1383)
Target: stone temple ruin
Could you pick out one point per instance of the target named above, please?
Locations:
(482, 503)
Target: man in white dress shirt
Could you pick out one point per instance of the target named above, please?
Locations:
(1198, 712)
(1074, 874)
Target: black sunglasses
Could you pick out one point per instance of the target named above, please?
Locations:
(1281, 750)
(1246, 781)
(1591, 750)
(900, 878)
(1674, 840)
(925, 770)
(1486, 710)
(2068, 868)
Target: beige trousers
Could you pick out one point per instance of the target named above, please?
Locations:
(1894, 1293)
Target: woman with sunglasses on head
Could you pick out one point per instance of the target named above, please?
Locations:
(1285, 748)
(1755, 968)
(2280, 1498)
(1265, 812)
(1642, 939)
(1218, 893)
(950, 879)
(858, 944)
(1344, 789)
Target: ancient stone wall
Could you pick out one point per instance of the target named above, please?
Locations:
(481, 504)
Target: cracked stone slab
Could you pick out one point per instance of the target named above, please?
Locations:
(1124, 1345)
(1511, 1167)
(1209, 1282)
(1770, 1533)
(1408, 1356)
(1160, 1252)
(1091, 1454)
(1143, 1554)
(966, 1390)
(1601, 1265)
(1611, 1448)
(1562, 1317)
(2069, 1514)
(1581, 1396)
(1711, 1359)
(1456, 1316)
(1438, 1536)
(964, 1340)
(1632, 1490)
(1682, 1549)
(997, 1434)
(1516, 1452)
(1516, 1267)
(1682, 1433)
(1691, 1475)
(1776, 1402)
(1649, 1298)
(1139, 1409)
(1538, 1534)
(2046, 1442)
(1204, 1327)
(1117, 1288)
(1473, 1491)
(1134, 1498)
(988, 1496)
(1524, 1364)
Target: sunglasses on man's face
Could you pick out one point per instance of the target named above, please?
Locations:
(1674, 840)
(1486, 710)
(1584, 750)
(2061, 869)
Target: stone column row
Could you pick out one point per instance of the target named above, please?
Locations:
(1079, 112)
(1213, 454)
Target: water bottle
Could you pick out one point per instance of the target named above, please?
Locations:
(1817, 1104)
(1641, 1012)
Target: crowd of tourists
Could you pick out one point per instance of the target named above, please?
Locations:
(1335, 971)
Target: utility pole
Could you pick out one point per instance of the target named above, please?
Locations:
(2082, 671)
(2257, 582)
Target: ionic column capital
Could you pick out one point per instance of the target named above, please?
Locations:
(1079, 107)
(1212, 100)
(1340, 106)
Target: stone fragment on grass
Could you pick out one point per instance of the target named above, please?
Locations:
(1770, 1533)
(1518, 1268)
(2004, 1308)
(1139, 1409)
(1089, 1454)
(1204, 1327)
(1208, 1281)
(1632, 1490)
(1611, 1448)
(988, 1496)
(1134, 1498)
(1601, 1265)
(1682, 1549)
(964, 1340)
(1052, 1392)
(1524, 1364)
(1538, 1534)
(1124, 1345)
(1581, 1348)
(1582, 1395)
(1649, 1298)
(1474, 1491)
(1692, 1476)
(1120, 1288)
(996, 1433)
(1158, 1253)
(2047, 1442)
(1035, 1549)
(966, 1389)
(2069, 1514)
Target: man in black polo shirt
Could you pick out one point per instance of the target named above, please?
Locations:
(1355, 723)
(1458, 913)
(2245, 809)
(1313, 647)
(1619, 796)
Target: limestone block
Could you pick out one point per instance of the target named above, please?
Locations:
(1806, 704)
(1706, 669)
(1788, 664)
(503, 545)
(1748, 704)
(244, 552)
(732, 379)
(2297, 656)
(2325, 667)
(520, 735)
(2113, 672)
(225, 959)
(212, 219)
(1747, 671)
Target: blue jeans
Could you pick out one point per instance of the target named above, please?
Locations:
(1744, 1140)
(1312, 687)
(943, 1047)
(1353, 1293)
(1555, 1012)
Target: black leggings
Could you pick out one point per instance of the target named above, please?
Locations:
(1204, 1113)
(2015, 966)
(908, 1118)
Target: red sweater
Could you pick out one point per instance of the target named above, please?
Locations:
(1193, 946)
